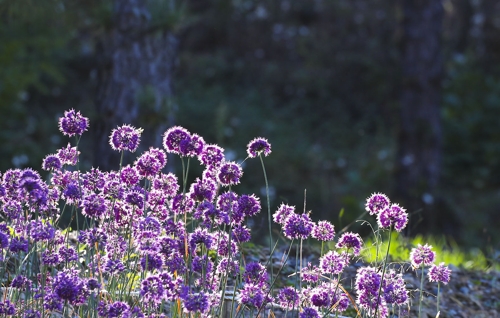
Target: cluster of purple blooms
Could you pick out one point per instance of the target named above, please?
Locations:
(135, 240)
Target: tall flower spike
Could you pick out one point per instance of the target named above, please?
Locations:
(73, 123)
(258, 146)
(125, 137)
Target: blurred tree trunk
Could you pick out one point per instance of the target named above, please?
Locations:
(134, 77)
(420, 135)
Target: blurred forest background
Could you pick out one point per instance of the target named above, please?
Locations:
(355, 96)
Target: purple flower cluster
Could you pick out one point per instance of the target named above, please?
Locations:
(145, 236)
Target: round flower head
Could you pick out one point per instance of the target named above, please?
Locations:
(439, 273)
(125, 137)
(248, 205)
(288, 298)
(282, 213)
(422, 256)
(192, 146)
(393, 216)
(173, 137)
(350, 240)
(298, 226)
(376, 203)
(258, 146)
(309, 312)
(212, 155)
(51, 163)
(73, 123)
(333, 263)
(68, 155)
(323, 231)
(194, 302)
(229, 173)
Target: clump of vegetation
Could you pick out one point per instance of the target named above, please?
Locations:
(152, 245)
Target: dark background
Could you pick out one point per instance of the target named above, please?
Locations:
(356, 97)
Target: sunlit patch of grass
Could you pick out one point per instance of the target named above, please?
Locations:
(447, 251)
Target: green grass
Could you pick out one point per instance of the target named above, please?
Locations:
(447, 251)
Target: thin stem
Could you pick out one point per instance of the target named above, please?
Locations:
(268, 219)
(383, 270)
(421, 291)
(438, 297)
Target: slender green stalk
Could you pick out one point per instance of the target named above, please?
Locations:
(439, 285)
(268, 219)
(421, 291)
(383, 271)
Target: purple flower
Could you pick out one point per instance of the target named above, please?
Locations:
(350, 240)
(229, 173)
(51, 258)
(135, 199)
(68, 155)
(4, 240)
(30, 313)
(200, 236)
(212, 155)
(309, 312)
(73, 123)
(439, 273)
(202, 264)
(7, 308)
(282, 213)
(21, 282)
(227, 201)
(151, 261)
(202, 190)
(72, 193)
(124, 138)
(298, 226)
(393, 216)
(422, 256)
(152, 289)
(51, 163)
(182, 204)
(129, 176)
(194, 302)
(394, 288)
(192, 146)
(255, 273)
(173, 137)
(114, 267)
(52, 302)
(117, 309)
(68, 254)
(41, 232)
(18, 244)
(258, 146)
(175, 262)
(148, 165)
(167, 183)
(320, 296)
(333, 263)
(94, 206)
(310, 274)
(12, 209)
(376, 203)
(221, 240)
(150, 224)
(288, 298)
(253, 296)
(248, 205)
(368, 281)
(93, 180)
(241, 233)
(229, 267)
(68, 286)
(323, 231)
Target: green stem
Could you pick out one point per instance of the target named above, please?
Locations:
(438, 296)
(421, 291)
(383, 270)
(268, 219)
